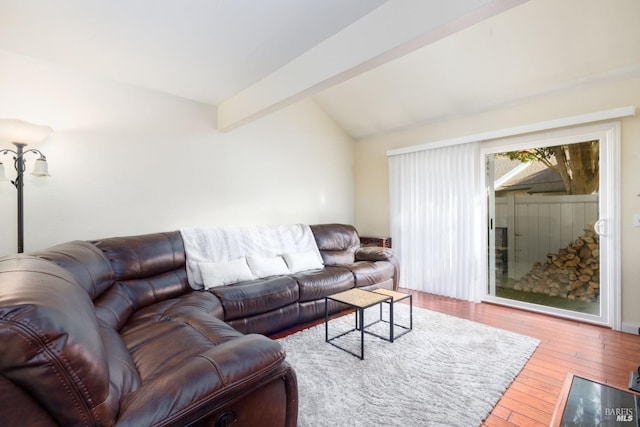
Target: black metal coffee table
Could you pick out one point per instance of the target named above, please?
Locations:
(396, 297)
(359, 300)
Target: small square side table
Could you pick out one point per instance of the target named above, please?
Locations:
(395, 297)
(360, 300)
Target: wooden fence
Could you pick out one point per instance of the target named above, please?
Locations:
(538, 225)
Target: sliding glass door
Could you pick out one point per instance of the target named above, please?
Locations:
(550, 224)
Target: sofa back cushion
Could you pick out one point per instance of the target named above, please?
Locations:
(51, 344)
(337, 243)
(147, 269)
(85, 262)
(140, 257)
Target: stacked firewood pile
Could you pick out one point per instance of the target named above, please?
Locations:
(573, 272)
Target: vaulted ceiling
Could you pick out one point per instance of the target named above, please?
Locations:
(373, 65)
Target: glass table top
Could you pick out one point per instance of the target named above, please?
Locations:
(594, 404)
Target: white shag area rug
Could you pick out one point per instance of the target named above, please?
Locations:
(446, 372)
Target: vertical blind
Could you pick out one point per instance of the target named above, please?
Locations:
(436, 219)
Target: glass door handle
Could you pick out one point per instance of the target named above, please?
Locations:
(598, 227)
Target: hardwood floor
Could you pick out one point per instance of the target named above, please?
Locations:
(586, 350)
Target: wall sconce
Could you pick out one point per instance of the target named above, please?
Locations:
(20, 134)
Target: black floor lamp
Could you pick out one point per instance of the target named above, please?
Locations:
(20, 134)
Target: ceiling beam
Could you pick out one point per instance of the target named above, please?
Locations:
(394, 29)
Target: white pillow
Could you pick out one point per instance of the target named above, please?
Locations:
(224, 273)
(267, 266)
(301, 261)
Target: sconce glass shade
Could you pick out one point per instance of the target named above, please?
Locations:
(14, 130)
(40, 167)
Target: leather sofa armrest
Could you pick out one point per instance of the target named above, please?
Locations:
(377, 253)
(373, 253)
(51, 345)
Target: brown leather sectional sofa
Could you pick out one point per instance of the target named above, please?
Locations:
(109, 332)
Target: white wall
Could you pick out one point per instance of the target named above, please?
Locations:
(126, 160)
(372, 195)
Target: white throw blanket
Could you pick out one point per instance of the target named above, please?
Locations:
(221, 244)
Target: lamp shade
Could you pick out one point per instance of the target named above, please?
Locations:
(40, 167)
(14, 130)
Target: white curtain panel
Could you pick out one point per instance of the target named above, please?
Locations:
(436, 220)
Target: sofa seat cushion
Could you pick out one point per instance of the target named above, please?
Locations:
(192, 367)
(162, 343)
(369, 273)
(184, 305)
(269, 322)
(246, 299)
(316, 284)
